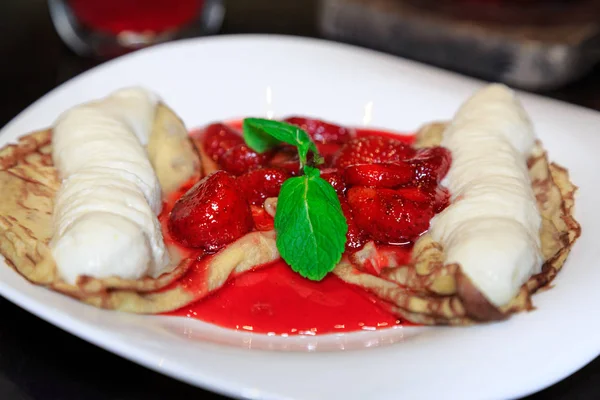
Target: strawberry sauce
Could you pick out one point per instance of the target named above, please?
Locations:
(272, 298)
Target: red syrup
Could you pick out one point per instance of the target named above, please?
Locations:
(273, 299)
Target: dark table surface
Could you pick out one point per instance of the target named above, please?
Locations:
(34, 363)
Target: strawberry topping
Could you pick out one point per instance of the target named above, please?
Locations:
(262, 183)
(387, 216)
(355, 237)
(437, 196)
(386, 175)
(240, 158)
(335, 179)
(211, 214)
(431, 164)
(372, 150)
(218, 138)
(388, 190)
(321, 131)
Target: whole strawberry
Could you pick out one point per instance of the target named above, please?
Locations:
(211, 214)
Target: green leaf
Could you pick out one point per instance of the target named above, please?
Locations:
(256, 137)
(264, 134)
(311, 172)
(311, 227)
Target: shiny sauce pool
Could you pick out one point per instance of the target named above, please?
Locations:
(273, 299)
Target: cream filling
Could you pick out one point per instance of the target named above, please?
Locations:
(105, 213)
(492, 226)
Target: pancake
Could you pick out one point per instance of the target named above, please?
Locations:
(427, 291)
(29, 184)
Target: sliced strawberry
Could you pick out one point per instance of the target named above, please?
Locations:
(211, 214)
(335, 179)
(387, 216)
(431, 164)
(355, 238)
(386, 175)
(372, 150)
(240, 159)
(437, 196)
(321, 131)
(218, 138)
(415, 193)
(261, 183)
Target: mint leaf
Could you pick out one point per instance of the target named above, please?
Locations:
(311, 227)
(264, 134)
(311, 172)
(256, 137)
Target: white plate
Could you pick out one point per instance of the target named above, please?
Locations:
(224, 77)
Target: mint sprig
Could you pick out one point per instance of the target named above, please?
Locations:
(264, 134)
(311, 227)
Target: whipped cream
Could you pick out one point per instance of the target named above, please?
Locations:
(492, 226)
(105, 212)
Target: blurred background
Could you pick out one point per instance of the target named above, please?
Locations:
(545, 46)
(548, 47)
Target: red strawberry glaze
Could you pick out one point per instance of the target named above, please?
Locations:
(272, 298)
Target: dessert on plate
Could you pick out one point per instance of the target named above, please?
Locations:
(78, 214)
(292, 226)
